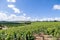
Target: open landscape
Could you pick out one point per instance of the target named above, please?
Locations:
(30, 30)
(29, 19)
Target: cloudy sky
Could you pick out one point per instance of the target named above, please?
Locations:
(23, 10)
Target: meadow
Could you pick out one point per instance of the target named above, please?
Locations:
(26, 31)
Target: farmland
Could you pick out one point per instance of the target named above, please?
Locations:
(26, 31)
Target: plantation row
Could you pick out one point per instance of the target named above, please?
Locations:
(26, 32)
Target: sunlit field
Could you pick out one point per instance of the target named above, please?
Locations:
(26, 31)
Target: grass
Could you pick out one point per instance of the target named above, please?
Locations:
(50, 28)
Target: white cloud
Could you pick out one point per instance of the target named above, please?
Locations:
(24, 17)
(56, 7)
(18, 18)
(45, 19)
(16, 10)
(24, 14)
(11, 6)
(3, 16)
(12, 17)
(11, 0)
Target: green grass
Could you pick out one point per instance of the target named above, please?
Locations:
(21, 32)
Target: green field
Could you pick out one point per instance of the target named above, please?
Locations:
(26, 31)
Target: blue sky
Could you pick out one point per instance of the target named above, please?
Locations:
(29, 10)
(40, 8)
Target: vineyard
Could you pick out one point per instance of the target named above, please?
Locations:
(26, 31)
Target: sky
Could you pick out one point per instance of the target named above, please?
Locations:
(29, 10)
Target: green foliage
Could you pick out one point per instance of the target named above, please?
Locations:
(26, 32)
